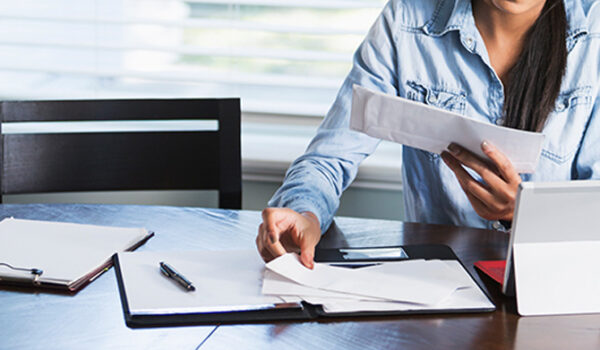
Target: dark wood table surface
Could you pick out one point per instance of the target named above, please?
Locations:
(93, 318)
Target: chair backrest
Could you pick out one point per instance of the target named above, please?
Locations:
(101, 161)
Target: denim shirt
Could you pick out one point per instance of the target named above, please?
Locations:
(431, 51)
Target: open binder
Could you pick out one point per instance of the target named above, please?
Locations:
(58, 255)
(228, 287)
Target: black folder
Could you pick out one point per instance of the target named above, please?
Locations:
(350, 257)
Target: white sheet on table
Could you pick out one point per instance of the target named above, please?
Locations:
(424, 284)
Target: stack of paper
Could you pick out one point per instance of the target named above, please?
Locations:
(391, 286)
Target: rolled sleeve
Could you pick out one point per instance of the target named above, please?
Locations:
(316, 180)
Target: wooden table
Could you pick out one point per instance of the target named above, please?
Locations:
(93, 318)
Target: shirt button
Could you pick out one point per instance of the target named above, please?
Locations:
(469, 41)
(496, 225)
(561, 107)
(500, 121)
(433, 98)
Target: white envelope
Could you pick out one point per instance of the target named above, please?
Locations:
(438, 272)
(276, 284)
(432, 129)
(409, 288)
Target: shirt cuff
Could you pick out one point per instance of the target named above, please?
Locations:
(302, 205)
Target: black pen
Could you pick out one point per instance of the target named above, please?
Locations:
(176, 276)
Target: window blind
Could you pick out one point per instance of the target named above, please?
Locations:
(283, 57)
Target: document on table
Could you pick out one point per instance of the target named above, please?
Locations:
(224, 280)
(432, 129)
(391, 286)
(68, 254)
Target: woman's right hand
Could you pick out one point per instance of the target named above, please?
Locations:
(285, 230)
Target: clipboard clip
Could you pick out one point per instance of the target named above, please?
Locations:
(34, 271)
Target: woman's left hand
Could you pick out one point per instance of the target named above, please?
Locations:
(494, 198)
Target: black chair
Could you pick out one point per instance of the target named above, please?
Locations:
(98, 161)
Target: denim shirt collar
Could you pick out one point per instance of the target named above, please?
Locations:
(452, 15)
(449, 15)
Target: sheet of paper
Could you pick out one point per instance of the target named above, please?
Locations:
(224, 281)
(419, 287)
(275, 284)
(64, 251)
(432, 129)
(467, 297)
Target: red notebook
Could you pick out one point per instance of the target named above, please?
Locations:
(493, 268)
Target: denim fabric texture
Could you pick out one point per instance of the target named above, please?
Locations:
(431, 51)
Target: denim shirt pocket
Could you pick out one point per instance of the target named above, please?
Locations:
(566, 124)
(437, 96)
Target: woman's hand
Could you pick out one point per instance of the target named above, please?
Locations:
(284, 230)
(494, 198)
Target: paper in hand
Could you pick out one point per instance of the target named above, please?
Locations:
(432, 129)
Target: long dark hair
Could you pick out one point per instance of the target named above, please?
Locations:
(534, 81)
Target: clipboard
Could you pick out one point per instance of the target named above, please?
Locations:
(284, 310)
(60, 256)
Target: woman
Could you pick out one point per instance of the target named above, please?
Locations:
(526, 64)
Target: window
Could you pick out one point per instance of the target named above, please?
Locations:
(279, 56)
(286, 59)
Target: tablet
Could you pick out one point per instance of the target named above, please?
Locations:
(549, 215)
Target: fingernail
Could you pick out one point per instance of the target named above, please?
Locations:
(485, 145)
(454, 149)
(308, 261)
